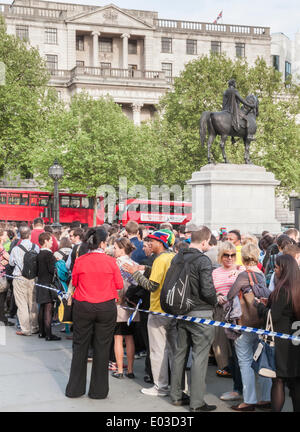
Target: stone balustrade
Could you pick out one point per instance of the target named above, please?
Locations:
(209, 28)
(33, 12)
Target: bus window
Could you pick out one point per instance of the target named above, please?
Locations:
(65, 201)
(154, 208)
(86, 203)
(3, 198)
(14, 199)
(74, 202)
(43, 201)
(178, 209)
(24, 199)
(34, 200)
(144, 208)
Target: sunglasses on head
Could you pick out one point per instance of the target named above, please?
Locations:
(225, 255)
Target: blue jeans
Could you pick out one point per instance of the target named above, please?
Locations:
(245, 347)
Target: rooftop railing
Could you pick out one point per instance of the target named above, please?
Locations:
(27, 11)
(202, 27)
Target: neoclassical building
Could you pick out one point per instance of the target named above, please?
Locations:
(131, 55)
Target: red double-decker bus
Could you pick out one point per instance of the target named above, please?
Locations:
(151, 212)
(25, 206)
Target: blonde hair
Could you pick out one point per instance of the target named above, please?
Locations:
(250, 254)
(224, 247)
(249, 238)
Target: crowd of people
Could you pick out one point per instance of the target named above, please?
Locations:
(109, 268)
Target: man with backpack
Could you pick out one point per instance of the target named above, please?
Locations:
(23, 258)
(161, 331)
(199, 337)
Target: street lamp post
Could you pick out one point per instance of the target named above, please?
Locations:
(56, 172)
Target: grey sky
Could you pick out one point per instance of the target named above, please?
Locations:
(280, 15)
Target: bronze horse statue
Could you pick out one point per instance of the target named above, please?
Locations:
(220, 123)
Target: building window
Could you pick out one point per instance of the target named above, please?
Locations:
(52, 61)
(276, 62)
(215, 47)
(132, 46)
(288, 70)
(106, 45)
(80, 63)
(166, 45)
(240, 49)
(167, 68)
(79, 43)
(191, 46)
(22, 32)
(51, 36)
(105, 65)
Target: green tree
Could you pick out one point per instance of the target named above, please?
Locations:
(25, 101)
(200, 88)
(96, 144)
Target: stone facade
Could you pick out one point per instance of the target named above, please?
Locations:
(131, 55)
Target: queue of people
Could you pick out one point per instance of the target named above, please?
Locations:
(108, 268)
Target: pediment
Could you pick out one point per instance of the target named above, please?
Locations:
(109, 15)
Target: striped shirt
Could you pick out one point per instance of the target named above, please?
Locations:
(224, 279)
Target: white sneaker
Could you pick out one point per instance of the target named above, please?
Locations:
(231, 396)
(153, 391)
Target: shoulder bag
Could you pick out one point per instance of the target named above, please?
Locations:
(264, 356)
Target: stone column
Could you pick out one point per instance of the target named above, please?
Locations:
(125, 38)
(136, 109)
(95, 35)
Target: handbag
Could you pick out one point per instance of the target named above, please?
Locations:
(264, 357)
(250, 317)
(65, 310)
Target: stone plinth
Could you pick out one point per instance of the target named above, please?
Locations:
(236, 197)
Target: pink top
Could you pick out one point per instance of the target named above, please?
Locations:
(224, 279)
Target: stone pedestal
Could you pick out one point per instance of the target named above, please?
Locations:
(236, 197)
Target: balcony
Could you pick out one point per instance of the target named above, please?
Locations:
(112, 76)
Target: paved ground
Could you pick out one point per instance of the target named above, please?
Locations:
(34, 374)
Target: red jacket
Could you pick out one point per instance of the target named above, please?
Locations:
(96, 278)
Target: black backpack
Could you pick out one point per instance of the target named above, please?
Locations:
(30, 264)
(175, 296)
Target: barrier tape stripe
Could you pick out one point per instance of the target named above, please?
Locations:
(63, 294)
(220, 324)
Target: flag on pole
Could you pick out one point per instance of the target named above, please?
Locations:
(218, 17)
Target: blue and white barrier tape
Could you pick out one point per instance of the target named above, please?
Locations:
(61, 293)
(220, 324)
(131, 318)
(261, 332)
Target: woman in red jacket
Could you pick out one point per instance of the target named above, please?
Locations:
(96, 278)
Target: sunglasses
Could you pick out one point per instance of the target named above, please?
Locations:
(229, 255)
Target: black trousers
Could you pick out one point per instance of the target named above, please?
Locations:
(144, 333)
(97, 320)
(2, 307)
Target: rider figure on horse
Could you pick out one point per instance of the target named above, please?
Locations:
(231, 104)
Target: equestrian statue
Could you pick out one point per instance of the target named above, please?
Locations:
(232, 121)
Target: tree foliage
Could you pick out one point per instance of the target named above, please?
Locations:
(96, 144)
(200, 88)
(24, 101)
